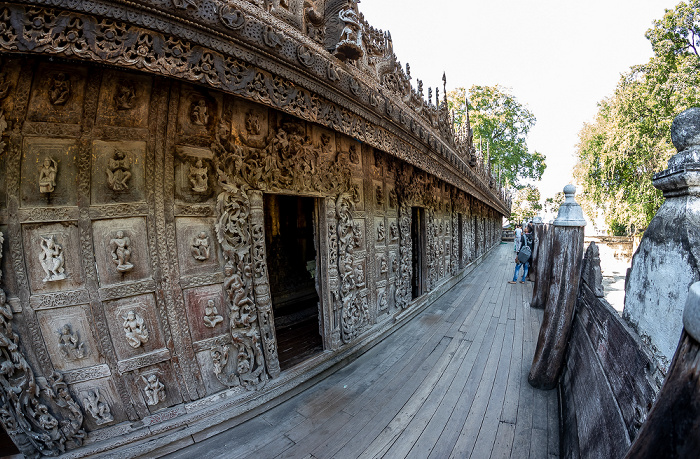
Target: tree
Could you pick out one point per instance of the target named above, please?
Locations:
(526, 204)
(551, 205)
(630, 138)
(500, 124)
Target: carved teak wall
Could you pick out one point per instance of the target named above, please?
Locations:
(136, 287)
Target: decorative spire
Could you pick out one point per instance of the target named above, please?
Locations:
(408, 70)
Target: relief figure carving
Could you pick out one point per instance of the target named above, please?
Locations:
(200, 247)
(120, 246)
(69, 344)
(30, 424)
(59, 89)
(125, 95)
(200, 113)
(381, 232)
(252, 123)
(118, 171)
(47, 175)
(154, 390)
(211, 315)
(393, 232)
(383, 264)
(51, 259)
(199, 177)
(99, 410)
(354, 156)
(380, 195)
(349, 45)
(135, 329)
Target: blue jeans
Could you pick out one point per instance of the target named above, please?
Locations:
(525, 266)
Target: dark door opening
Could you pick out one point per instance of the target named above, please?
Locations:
(418, 243)
(290, 223)
(460, 237)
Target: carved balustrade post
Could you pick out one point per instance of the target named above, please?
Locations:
(538, 230)
(565, 273)
(544, 235)
(672, 426)
(667, 260)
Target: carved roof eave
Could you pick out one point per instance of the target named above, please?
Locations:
(336, 104)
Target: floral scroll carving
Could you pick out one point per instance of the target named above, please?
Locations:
(354, 307)
(242, 362)
(25, 405)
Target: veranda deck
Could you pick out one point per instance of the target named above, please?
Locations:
(450, 383)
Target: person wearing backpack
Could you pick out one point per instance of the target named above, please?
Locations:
(523, 255)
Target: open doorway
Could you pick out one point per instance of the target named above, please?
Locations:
(290, 233)
(418, 245)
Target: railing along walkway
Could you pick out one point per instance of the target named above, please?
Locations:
(450, 383)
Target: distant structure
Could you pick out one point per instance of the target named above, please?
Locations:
(187, 183)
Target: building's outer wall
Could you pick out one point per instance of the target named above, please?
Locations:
(246, 149)
(272, 112)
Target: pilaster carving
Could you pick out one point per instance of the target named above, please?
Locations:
(242, 362)
(262, 284)
(26, 415)
(354, 308)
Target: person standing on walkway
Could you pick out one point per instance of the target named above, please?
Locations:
(523, 253)
(518, 233)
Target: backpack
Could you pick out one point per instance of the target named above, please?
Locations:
(526, 250)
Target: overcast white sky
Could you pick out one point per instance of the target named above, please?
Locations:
(559, 57)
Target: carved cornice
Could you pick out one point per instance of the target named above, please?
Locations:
(226, 50)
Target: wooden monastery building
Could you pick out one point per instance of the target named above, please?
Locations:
(208, 203)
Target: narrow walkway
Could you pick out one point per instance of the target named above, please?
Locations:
(451, 383)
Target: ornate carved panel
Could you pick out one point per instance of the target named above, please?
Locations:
(121, 251)
(51, 257)
(48, 172)
(124, 99)
(57, 94)
(118, 171)
(134, 326)
(68, 335)
(207, 312)
(199, 248)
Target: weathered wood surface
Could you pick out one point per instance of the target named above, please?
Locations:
(544, 261)
(451, 383)
(672, 426)
(609, 381)
(567, 255)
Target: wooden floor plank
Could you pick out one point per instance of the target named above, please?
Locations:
(453, 380)
(489, 426)
(504, 441)
(467, 438)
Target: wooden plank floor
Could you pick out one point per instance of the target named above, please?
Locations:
(450, 383)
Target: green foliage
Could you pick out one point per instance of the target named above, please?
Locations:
(501, 122)
(630, 139)
(526, 204)
(551, 205)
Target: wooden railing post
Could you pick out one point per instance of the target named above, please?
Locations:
(542, 264)
(672, 427)
(565, 273)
